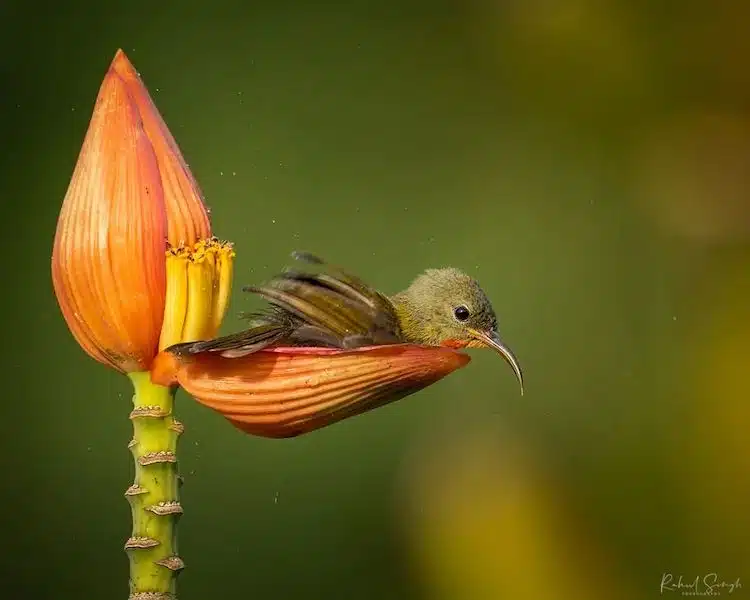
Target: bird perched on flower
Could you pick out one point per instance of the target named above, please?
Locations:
(327, 307)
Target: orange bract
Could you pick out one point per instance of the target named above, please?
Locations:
(108, 265)
(284, 392)
(188, 218)
(130, 194)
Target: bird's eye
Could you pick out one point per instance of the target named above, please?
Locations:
(461, 313)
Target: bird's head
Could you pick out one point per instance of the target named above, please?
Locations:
(447, 307)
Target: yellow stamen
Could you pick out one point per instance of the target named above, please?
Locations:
(199, 280)
(200, 297)
(175, 307)
(222, 283)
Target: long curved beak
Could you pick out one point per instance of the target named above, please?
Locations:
(492, 340)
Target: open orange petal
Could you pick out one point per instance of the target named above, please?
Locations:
(108, 266)
(284, 392)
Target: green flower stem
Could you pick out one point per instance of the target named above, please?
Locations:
(154, 495)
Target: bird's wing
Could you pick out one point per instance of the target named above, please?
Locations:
(267, 328)
(331, 308)
(236, 344)
(335, 302)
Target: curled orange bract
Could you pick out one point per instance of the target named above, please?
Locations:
(284, 392)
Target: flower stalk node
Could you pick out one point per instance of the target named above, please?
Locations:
(147, 411)
(151, 596)
(140, 543)
(171, 507)
(173, 563)
(153, 458)
(135, 490)
(177, 426)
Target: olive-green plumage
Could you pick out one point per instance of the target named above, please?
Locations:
(324, 306)
(431, 310)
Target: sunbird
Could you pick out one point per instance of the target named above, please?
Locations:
(330, 308)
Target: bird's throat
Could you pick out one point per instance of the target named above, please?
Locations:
(455, 343)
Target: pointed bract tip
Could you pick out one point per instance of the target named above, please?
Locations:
(120, 59)
(188, 220)
(124, 69)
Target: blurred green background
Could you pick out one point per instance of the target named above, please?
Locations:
(588, 161)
